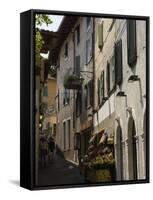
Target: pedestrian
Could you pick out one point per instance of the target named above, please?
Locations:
(43, 151)
(51, 147)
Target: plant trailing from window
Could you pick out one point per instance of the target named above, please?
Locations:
(72, 82)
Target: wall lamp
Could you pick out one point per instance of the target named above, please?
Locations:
(133, 78)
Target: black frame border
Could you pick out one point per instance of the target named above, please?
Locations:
(27, 98)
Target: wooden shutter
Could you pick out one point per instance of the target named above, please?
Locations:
(98, 91)
(85, 95)
(90, 50)
(131, 42)
(79, 103)
(112, 72)
(91, 92)
(102, 85)
(118, 62)
(66, 50)
(78, 34)
(87, 51)
(100, 36)
(108, 77)
(77, 65)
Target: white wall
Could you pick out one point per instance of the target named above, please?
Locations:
(9, 104)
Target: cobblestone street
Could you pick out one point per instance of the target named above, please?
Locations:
(59, 172)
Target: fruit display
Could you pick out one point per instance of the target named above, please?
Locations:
(101, 163)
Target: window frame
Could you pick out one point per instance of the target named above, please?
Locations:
(66, 54)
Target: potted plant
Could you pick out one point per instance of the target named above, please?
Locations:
(72, 82)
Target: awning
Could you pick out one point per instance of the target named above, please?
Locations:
(93, 138)
(95, 135)
(103, 138)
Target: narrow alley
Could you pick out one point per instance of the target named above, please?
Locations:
(59, 172)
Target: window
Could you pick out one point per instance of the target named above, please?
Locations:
(64, 135)
(98, 90)
(102, 86)
(131, 42)
(66, 50)
(88, 50)
(100, 36)
(112, 72)
(79, 103)
(66, 97)
(118, 62)
(78, 34)
(54, 129)
(108, 77)
(88, 22)
(77, 65)
(69, 133)
(90, 94)
(45, 91)
(77, 141)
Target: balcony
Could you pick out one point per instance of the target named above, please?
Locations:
(73, 82)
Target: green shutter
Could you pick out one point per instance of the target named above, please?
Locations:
(100, 36)
(108, 77)
(91, 92)
(78, 34)
(79, 103)
(45, 91)
(112, 72)
(77, 65)
(98, 90)
(118, 62)
(131, 42)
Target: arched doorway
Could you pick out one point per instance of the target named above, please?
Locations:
(119, 153)
(132, 150)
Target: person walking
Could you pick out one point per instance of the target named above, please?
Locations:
(43, 151)
(51, 147)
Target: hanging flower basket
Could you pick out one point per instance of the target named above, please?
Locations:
(72, 82)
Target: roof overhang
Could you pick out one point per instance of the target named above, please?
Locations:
(54, 40)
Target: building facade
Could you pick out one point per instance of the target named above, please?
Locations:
(120, 60)
(48, 99)
(101, 84)
(74, 105)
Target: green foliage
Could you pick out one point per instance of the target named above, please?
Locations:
(40, 19)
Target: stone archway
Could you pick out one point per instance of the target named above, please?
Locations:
(132, 150)
(119, 154)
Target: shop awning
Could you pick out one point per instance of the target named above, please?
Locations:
(95, 135)
(103, 138)
(93, 138)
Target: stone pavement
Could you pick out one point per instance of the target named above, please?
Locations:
(59, 172)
